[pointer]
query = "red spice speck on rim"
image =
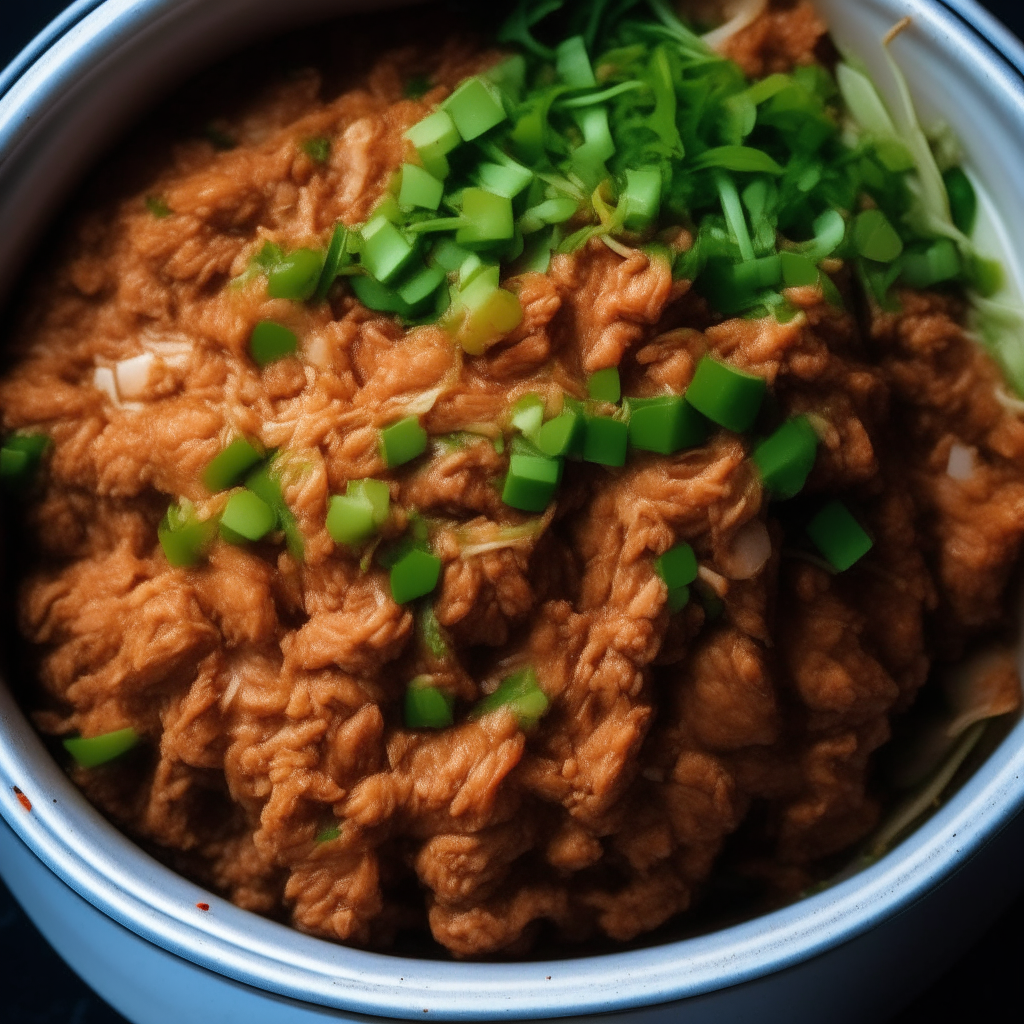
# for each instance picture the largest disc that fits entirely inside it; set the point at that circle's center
(22, 799)
(203, 906)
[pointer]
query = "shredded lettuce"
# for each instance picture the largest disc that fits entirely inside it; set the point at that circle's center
(479, 538)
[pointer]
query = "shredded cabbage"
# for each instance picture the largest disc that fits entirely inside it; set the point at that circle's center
(998, 323)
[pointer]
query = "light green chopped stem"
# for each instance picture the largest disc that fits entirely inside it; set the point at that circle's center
(94, 751)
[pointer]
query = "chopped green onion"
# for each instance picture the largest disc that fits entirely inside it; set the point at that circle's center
(183, 537)
(598, 146)
(531, 482)
(761, 92)
(475, 107)
(677, 566)
(333, 261)
(402, 442)
(158, 207)
(246, 517)
(450, 257)
(504, 179)
(228, 467)
(551, 211)
(436, 129)
(591, 99)
(349, 520)
(737, 158)
(432, 633)
(435, 162)
(731, 288)
(757, 274)
(875, 238)
(414, 575)
(963, 200)
(376, 494)
(521, 694)
(786, 459)
(641, 198)
(435, 135)
(13, 465)
(417, 87)
(605, 385)
(829, 232)
(376, 296)
(218, 138)
(734, 215)
(537, 252)
(296, 276)
(328, 835)
(472, 266)
(35, 446)
(986, 277)
(838, 536)
(318, 149)
(516, 28)
(573, 64)
(266, 486)
(427, 707)
(938, 262)
(385, 249)
(20, 458)
(605, 441)
(894, 155)
(714, 606)
(509, 76)
(419, 188)
(271, 341)
(488, 314)
(727, 396)
(268, 257)
(665, 425)
(421, 286)
(486, 217)
(678, 599)
(358, 515)
(877, 279)
(528, 415)
(798, 271)
(96, 750)
(561, 436)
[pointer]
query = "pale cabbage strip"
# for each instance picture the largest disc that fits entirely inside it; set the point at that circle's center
(927, 797)
(479, 540)
(982, 688)
(740, 15)
(998, 323)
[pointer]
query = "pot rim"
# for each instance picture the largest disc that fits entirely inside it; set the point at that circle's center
(126, 884)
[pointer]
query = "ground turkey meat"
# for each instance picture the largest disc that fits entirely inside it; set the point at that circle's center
(275, 766)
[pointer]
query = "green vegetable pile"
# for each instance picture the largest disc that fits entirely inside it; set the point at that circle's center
(627, 126)
(255, 507)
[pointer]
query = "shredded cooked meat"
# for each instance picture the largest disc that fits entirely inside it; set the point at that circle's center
(269, 690)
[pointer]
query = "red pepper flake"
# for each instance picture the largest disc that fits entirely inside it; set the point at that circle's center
(203, 906)
(22, 799)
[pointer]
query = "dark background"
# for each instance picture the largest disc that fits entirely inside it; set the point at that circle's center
(983, 986)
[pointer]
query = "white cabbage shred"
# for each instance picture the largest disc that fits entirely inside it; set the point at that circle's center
(997, 322)
(740, 15)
